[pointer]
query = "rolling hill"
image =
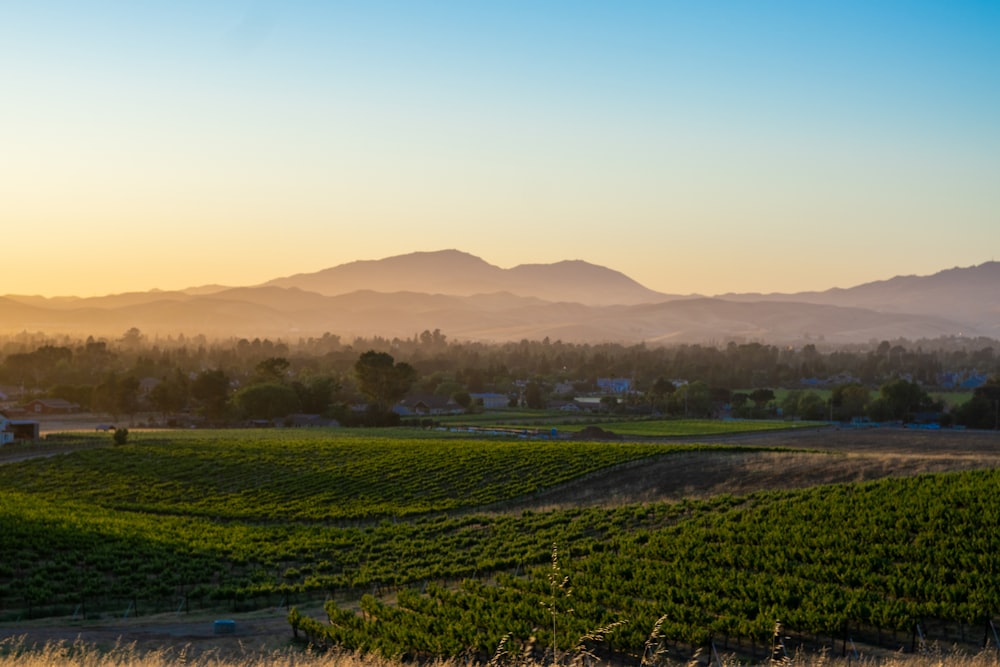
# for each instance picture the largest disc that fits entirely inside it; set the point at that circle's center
(461, 274)
(469, 299)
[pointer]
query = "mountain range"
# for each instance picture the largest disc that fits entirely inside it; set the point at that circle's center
(470, 299)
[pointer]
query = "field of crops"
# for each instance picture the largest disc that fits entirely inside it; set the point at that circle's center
(413, 529)
(251, 517)
(282, 475)
(837, 561)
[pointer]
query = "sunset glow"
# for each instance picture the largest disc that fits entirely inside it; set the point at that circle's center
(697, 147)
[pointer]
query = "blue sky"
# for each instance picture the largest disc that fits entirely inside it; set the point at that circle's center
(696, 146)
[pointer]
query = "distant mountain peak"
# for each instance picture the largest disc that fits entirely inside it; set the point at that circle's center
(573, 300)
(459, 273)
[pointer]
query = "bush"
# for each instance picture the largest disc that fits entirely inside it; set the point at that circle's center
(120, 436)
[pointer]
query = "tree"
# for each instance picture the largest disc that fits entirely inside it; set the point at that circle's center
(117, 396)
(211, 390)
(274, 369)
(79, 394)
(266, 400)
(660, 391)
(693, 399)
(128, 395)
(983, 409)
(463, 399)
(899, 399)
(316, 393)
(382, 380)
(132, 339)
(448, 388)
(761, 397)
(170, 395)
(850, 401)
(812, 407)
(105, 396)
(38, 368)
(533, 396)
(790, 403)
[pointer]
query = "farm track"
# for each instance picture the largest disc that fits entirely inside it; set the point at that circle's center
(823, 456)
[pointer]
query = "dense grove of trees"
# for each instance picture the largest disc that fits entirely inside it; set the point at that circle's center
(227, 380)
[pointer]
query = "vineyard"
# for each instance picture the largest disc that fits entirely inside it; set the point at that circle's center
(253, 518)
(273, 475)
(840, 562)
(409, 542)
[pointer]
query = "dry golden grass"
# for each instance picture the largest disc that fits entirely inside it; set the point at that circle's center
(16, 652)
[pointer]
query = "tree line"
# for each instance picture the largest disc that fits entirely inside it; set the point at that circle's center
(228, 379)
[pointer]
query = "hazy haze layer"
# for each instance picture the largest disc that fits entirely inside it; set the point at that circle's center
(470, 299)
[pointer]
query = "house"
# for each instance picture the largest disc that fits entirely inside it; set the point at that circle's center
(423, 405)
(12, 430)
(589, 403)
(564, 388)
(614, 385)
(947, 379)
(302, 420)
(490, 401)
(51, 406)
(961, 380)
(832, 381)
(974, 381)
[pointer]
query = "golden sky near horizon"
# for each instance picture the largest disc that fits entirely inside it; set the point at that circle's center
(697, 149)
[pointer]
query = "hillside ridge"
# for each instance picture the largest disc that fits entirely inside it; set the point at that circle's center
(572, 300)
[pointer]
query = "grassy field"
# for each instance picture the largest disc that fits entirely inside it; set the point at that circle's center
(415, 529)
(952, 399)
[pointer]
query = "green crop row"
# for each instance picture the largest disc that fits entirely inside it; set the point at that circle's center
(312, 476)
(887, 555)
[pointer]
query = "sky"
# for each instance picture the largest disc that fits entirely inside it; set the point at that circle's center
(697, 146)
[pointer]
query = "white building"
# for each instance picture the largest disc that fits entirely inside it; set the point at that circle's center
(490, 401)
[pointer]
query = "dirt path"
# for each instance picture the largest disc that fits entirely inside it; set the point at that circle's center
(257, 632)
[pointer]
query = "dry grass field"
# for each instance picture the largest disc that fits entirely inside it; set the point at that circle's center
(826, 455)
(16, 652)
